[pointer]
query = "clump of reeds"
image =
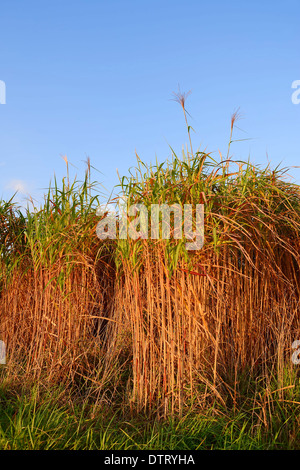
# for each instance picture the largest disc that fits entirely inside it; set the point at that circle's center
(185, 326)
(199, 320)
(56, 286)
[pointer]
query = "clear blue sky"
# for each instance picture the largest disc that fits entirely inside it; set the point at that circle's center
(95, 78)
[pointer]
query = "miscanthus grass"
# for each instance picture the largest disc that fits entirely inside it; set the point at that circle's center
(148, 325)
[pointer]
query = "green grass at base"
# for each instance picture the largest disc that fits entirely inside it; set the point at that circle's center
(36, 422)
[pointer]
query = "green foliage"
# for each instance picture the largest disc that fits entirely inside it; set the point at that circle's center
(41, 420)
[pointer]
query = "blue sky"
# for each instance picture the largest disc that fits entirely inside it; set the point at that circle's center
(95, 78)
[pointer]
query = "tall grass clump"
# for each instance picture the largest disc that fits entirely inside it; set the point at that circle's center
(161, 327)
(56, 281)
(204, 324)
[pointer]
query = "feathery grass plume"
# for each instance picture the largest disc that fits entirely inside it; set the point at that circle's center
(181, 98)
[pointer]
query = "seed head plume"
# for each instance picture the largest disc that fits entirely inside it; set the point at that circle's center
(88, 166)
(181, 98)
(235, 117)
